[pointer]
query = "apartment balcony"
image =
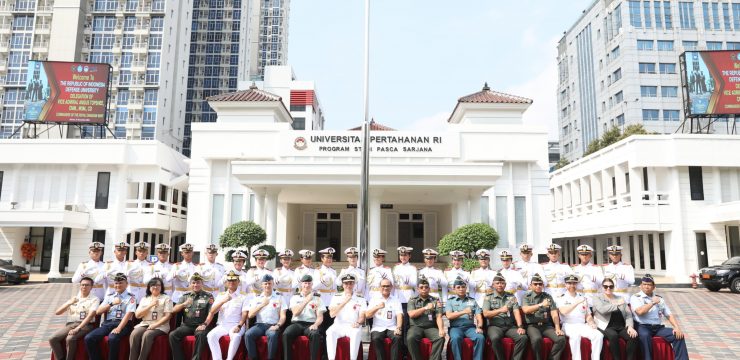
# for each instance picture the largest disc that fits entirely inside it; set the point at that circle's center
(138, 66)
(133, 124)
(135, 104)
(71, 216)
(5, 28)
(140, 48)
(648, 211)
(141, 30)
(154, 214)
(40, 47)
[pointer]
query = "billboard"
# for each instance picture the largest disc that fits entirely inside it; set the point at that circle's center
(713, 82)
(66, 92)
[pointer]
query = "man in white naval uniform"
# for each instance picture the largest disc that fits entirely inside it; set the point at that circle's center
(577, 321)
(514, 281)
(284, 276)
(325, 278)
(405, 276)
(455, 272)
(352, 257)
(306, 267)
(527, 266)
(622, 274)
(181, 272)
(92, 268)
(137, 270)
(482, 277)
(348, 310)
(591, 275)
(212, 271)
(377, 273)
(255, 274)
(232, 312)
(239, 258)
(555, 272)
(112, 268)
(435, 277)
(161, 268)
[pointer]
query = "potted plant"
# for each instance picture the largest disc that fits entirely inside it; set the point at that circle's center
(28, 252)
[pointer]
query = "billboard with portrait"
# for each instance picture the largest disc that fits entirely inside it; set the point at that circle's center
(66, 92)
(712, 79)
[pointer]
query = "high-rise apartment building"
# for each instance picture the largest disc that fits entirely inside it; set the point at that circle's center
(145, 42)
(619, 65)
(231, 41)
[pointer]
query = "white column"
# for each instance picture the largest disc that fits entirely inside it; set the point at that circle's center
(259, 206)
(227, 197)
(56, 253)
(281, 235)
(635, 185)
(374, 225)
(271, 197)
(463, 212)
(676, 262)
(475, 207)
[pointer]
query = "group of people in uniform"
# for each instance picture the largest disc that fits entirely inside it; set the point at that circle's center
(523, 300)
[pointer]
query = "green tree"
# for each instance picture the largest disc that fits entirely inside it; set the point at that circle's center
(593, 147)
(469, 239)
(610, 137)
(244, 234)
(634, 129)
(563, 162)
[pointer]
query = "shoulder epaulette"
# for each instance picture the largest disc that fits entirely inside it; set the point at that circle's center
(386, 266)
(177, 263)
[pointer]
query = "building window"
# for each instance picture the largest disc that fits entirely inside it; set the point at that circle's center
(236, 207)
(297, 107)
(520, 219)
(665, 45)
(618, 97)
(646, 8)
(299, 123)
(620, 119)
(649, 91)
(667, 14)
(733, 45)
(658, 16)
(686, 15)
(690, 45)
(101, 194)
(667, 68)
(671, 115)
(635, 19)
(661, 248)
(1, 184)
(669, 91)
(616, 75)
(645, 45)
(696, 183)
(641, 247)
(650, 114)
(733, 240)
(502, 219)
(647, 68)
(615, 53)
(714, 45)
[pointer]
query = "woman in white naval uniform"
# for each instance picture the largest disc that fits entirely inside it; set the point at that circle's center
(622, 274)
(435, 277)
(348, 310)
(92, 268)
(232, 315)
(136, 270)
(577, 320)
(482, 277)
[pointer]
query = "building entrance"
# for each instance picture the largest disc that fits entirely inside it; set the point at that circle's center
(329, 232)
(411, 234)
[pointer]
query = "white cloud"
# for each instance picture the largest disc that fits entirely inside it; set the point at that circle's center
(432, 123)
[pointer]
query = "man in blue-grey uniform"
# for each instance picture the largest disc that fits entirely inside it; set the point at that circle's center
(649, 310)
(118, 308)
(466, 320)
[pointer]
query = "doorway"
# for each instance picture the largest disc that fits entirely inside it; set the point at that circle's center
(329, 232)
(411, 234)
(701, 250)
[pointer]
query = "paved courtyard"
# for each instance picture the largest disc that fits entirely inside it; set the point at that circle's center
(27, 320)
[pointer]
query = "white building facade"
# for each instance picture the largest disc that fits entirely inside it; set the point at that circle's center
(63, 194)
(303, 186)
(619, 65)
(672, 202)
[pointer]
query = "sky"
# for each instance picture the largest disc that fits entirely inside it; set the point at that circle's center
(425, 54)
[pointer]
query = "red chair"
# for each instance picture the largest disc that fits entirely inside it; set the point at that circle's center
(160, 348)
(301, 349)
(506, 343)
(343, 349)
(225, 340)
(80, 353)
(467, 349)
(387, 346)
(662, 349)
(585, 349)
(123, 348)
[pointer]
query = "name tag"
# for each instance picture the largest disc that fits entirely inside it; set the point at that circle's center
(197, 313)
(119, 314)
(201, 302)
(430, 317)
(83, 314)
(389, 314)
(155, 315)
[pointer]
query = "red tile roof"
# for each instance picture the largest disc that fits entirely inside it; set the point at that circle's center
(374, 127)
(488, 96)
(253, 94)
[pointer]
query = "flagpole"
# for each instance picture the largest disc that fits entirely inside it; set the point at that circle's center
(364, 176)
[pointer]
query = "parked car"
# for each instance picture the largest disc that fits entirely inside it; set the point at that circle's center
(721, 276)
(14, 274)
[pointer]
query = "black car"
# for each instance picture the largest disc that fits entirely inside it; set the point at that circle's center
(720, 276)
(14, 274)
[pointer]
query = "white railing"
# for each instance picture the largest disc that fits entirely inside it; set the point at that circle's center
(158, 207)
(647, 198)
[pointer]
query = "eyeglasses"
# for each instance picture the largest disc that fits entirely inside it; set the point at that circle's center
(537, 284)
(608, 287)
(385, 286)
